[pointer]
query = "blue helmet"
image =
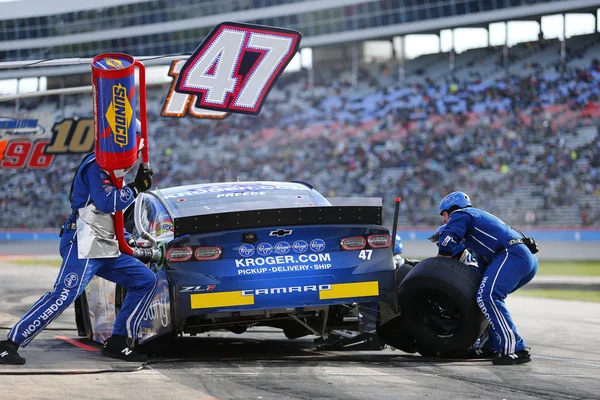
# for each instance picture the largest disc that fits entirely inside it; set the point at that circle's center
(398, 245)
(458, 199)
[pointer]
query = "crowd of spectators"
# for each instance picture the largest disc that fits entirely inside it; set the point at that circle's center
(514, 144)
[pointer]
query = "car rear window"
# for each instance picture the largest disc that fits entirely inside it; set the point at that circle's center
(207, 199)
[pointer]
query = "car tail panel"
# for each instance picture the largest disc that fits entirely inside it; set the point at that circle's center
(281, 267)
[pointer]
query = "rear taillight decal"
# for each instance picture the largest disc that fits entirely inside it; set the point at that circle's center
(379, 241)
(208, 253)
(353, 243)
(179, 254)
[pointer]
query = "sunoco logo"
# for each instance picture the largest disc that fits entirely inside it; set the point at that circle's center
(71, 280)
(300, 246)
(113, 62)
(317, 245)
(282, 248)
(246, 250)
(264, 249)
(119, 115)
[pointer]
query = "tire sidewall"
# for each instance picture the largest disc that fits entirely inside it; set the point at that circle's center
(453, 280)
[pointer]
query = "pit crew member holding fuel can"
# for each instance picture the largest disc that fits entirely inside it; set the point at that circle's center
(93, 198)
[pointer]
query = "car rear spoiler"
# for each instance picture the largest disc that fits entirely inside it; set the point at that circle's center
(321, 215)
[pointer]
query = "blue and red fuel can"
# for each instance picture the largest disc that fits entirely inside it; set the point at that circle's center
(114, 97)
(116, 142)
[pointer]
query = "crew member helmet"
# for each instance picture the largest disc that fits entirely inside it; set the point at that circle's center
(454, 199)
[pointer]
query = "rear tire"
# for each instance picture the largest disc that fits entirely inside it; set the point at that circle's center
(401, 272)
(82, 316)
(437, 301)
(394, 334)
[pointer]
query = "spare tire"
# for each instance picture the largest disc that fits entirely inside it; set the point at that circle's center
(437, 301)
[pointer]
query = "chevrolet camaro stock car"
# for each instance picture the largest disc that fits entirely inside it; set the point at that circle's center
(279, 254)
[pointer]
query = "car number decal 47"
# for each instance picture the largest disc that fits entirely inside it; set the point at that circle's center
(236, 66)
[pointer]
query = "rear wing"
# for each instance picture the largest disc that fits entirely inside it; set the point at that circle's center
(321, 215)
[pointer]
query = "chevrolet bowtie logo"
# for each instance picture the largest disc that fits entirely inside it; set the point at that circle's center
(281, 232)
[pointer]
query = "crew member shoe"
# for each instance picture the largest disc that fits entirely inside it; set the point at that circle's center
(520, 357)
(117, 347)
(8, 353)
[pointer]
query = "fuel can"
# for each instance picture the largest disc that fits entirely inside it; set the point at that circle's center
(114, 98)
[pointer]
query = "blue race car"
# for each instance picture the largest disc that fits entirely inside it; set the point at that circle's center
(238, 255)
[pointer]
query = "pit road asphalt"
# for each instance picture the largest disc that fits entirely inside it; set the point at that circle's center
(263, 364)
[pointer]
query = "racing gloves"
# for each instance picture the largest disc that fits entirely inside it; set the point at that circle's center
(143, 180)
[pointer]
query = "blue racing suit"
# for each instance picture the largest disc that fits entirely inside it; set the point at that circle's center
(91, 185)
(506, 268)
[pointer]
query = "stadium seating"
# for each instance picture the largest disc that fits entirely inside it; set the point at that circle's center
(525, 147)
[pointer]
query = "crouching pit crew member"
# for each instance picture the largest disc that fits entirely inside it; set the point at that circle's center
(508, 262)
(92, 194)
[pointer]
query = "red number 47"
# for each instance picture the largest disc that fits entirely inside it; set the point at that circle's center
(236, 66)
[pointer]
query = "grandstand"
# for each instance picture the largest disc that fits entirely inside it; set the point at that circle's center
(518, 133)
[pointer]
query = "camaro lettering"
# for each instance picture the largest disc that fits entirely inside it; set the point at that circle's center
(290, 289)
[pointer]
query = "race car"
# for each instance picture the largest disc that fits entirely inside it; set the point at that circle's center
(255, 253)
(278, 254)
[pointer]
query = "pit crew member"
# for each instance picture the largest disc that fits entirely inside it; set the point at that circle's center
(508, 262)
(91, 185)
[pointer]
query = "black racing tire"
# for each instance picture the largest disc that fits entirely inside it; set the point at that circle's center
(437, 301)
(425, 352)
(401, 273)
(394, 334)
(82, 316)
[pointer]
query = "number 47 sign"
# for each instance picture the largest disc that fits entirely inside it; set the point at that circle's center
(232, 71)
